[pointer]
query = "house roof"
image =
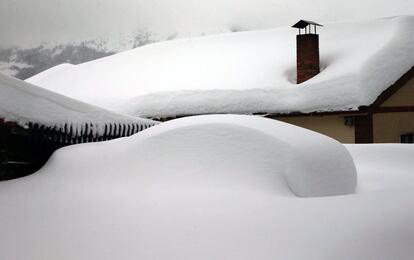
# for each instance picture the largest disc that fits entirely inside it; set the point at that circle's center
(24, 103)
(303, 23)
(247, 72)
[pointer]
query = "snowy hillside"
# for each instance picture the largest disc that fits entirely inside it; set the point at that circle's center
(24, 103)
(244, 72)
(207, 188)
(24, 62)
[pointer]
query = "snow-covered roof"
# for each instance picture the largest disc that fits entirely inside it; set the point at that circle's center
(24, 103)
(247, 72)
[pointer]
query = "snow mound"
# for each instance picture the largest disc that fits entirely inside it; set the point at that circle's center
(232, 152)
(24, 103)
(116, 200)
(247, 72)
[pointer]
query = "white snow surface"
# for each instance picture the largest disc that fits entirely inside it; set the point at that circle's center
(24, 103)
(247, 72)
(129, 199)
(370, 158)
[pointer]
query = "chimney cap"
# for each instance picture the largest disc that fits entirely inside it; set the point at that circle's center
(303, 23)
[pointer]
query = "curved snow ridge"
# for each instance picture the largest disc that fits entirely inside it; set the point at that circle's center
(24, 103)
(184, 103)
(248, 150)
(243, 72)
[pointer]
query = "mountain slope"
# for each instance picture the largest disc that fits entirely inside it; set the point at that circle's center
(23, 63)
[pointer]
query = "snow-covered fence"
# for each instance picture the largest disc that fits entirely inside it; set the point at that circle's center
(24, 150)
(86, 133)
(34, 122)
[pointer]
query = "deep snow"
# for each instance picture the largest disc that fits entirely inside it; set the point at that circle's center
(248, 72)
(24, 103)
(124, 199)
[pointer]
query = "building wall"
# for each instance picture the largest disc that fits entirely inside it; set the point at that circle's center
(403, 97)
(333, 126)
(388, 127)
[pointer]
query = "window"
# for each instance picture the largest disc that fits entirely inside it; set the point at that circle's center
(407, 138)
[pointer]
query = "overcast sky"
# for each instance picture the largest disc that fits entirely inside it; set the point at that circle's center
(29, 22)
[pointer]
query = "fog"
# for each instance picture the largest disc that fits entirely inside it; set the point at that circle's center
(28, 22)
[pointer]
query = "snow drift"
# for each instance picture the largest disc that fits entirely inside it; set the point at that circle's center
(248, 72)
(129, 199)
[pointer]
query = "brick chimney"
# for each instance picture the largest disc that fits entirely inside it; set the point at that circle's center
(307, 50)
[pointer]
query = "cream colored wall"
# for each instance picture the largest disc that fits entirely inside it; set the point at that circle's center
(332, 126)
(403, 97)
(389, 126)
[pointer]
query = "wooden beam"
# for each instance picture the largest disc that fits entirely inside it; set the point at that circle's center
(364, 131)
(394, 109)
(7, 123)
(314, 114)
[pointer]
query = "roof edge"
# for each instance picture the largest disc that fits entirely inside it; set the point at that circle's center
(391, 90)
